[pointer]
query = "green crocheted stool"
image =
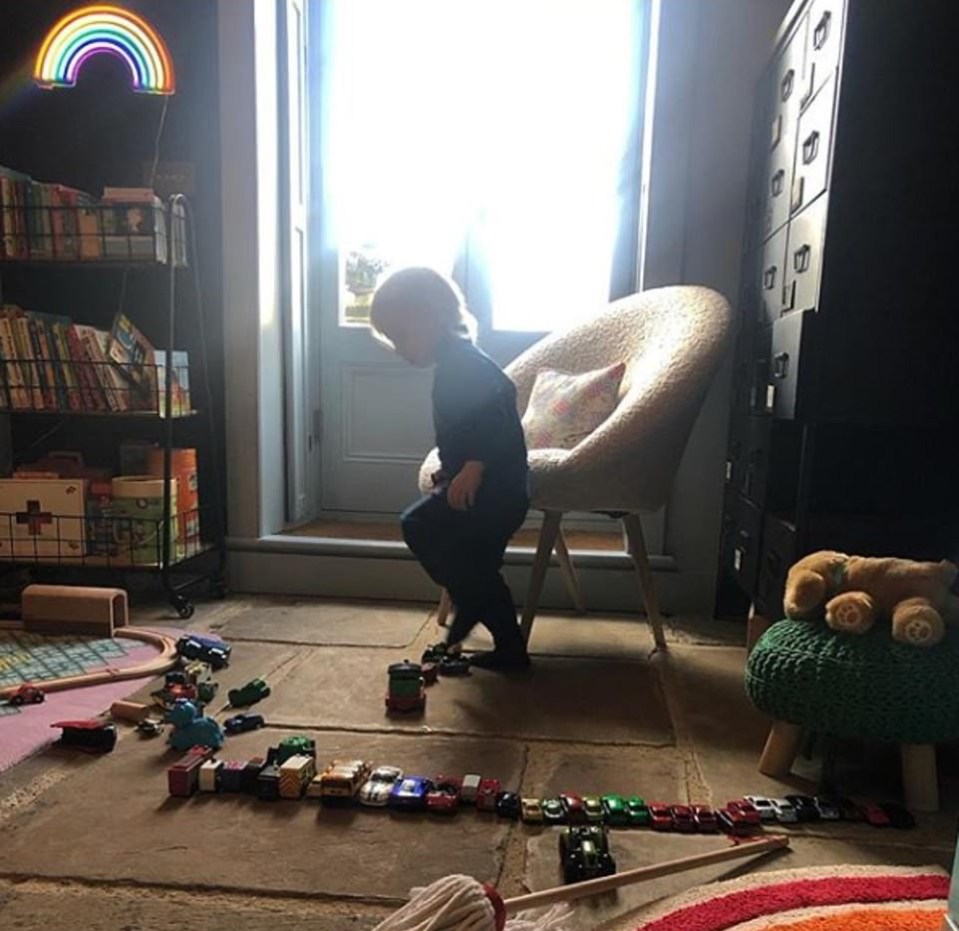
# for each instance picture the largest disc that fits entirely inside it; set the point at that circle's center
(805, 675)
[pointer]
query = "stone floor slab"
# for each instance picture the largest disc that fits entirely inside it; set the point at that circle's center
(32, 906)
(112, 820)
(586, 700)
(317, 622)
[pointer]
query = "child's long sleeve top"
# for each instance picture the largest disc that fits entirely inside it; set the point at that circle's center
(475, 417)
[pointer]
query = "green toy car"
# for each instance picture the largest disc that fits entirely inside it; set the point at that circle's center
(292, 746)
(614, 808)
(637, 812)
(255, 690)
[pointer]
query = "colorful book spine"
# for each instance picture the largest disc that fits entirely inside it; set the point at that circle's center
(39, 226)
(43, 354)
(19, 396)
(89, 230)
(26, 354)
(91, 392)
(65, 219)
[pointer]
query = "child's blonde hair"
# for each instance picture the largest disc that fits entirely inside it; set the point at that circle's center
(421, 292)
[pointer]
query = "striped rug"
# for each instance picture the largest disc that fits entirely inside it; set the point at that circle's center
(833, 898)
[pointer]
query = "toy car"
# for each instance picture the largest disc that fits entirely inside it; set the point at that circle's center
(573, 808)
(593, 807)
(211, 650)
(444, 797)
(584, 853)
(376, 790)
(828, 808)
(785, 813)
(899, 817)
(240, 723)
(764, 806)
(342, 779)
(454, 664)
(849, 810)
(470, 788)
(255, 690)
(531, 811)
(614, 810)
(405, 691)
(875, 816)
(705, 819)
(508, 805)
(805, 806)
(26, 695)
(92, 736)
(660, 816)
(553, 812)
(410, 792)
(683, 821)
(150, 727)
(486, 795)
(637, 811)
(746, 809)
(733, 821)
(292, 746)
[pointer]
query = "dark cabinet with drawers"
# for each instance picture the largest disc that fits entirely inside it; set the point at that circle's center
(846, 378)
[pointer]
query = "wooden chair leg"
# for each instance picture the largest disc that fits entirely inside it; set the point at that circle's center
(781, 748)
(756, 626)
(637, 549)
(444, 607)
(544, 549)
(569, 573)
(919, 778)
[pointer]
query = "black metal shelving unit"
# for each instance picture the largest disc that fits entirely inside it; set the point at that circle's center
(182, 565)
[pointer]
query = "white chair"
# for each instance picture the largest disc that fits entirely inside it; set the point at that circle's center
(672, 341)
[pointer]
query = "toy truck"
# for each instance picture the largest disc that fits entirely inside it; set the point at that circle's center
(251, 773)
(296, 773)
(268, 783)
(405, 691)
(584, 852)
(210, 650)
(292, 746)
(93, 736)
(341, 780)
(255, 690)
(231, 775)
(210, 776)
(183, 777)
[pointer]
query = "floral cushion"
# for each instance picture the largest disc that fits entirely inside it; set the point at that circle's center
(564, 409)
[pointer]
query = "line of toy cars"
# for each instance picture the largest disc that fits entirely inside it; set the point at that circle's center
(803, 809)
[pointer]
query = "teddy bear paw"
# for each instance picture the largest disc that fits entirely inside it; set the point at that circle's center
(846, 617)
(919, 629)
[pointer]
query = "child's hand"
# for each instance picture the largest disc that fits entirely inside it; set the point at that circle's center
(461, 493)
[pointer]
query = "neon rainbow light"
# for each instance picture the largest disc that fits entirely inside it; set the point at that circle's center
(104, 29)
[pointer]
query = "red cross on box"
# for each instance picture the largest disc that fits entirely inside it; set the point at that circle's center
(34, 518)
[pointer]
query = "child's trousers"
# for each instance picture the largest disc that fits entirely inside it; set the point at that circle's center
(463, 552)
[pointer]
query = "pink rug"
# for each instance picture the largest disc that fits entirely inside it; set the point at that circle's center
(26, 730)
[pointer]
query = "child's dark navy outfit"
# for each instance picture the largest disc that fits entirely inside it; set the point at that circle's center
(475, 417)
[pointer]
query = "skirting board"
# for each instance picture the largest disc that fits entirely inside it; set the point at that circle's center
(278, 566)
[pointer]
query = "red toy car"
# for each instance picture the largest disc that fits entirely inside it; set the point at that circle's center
(746, 809)
(486, 796)
(573, 807)
(27, 695)
(734, 822)
(706, 820)
(874, 815)
(683, 821)
(444, 797)
(661, 816)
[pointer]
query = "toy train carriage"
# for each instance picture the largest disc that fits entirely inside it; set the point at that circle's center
(406, 690)
(296, 774)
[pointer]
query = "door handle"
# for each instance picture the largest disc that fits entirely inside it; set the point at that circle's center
(786, 85)
(801, 259)
(769, 278)
(780, 365)
(810, 147)
(778, 179)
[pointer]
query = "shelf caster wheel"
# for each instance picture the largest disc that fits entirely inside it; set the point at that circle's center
(182, 606)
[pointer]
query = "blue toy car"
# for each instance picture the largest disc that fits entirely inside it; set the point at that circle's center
(410, 792)
(210, 650)
(240, 723)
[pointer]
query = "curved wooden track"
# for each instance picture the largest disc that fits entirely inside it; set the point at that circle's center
(167, 659)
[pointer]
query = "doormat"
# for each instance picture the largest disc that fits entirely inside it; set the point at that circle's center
(33, 658)
(832, 898)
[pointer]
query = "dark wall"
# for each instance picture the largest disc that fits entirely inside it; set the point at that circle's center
(101, 133)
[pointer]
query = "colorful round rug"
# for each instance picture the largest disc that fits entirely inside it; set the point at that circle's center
(833, 898)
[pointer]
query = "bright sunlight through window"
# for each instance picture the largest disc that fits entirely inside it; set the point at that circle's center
(499, 127)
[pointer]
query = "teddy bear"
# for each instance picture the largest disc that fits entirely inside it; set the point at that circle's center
(856, 590)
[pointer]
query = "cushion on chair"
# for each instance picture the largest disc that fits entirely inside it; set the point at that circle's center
(564, 409)
(867, 686)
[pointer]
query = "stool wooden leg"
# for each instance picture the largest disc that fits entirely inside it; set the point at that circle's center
(919, 777)
(781, 748)
(756, 626)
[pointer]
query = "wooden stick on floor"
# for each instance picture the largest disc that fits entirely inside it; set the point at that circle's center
(642, 874)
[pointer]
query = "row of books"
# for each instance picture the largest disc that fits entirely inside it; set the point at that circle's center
(42, 221)
(50, 363)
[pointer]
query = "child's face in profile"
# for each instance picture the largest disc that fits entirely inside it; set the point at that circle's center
(414, 335)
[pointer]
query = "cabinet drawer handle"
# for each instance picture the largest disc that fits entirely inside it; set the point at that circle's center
(780, 365)
(786, 85)
(799, 193)
(789, 295)
(810, 147)
(821, 32)
(769, 278)
(774, 563)
(801, 259)
(778, 180)
(777, 131)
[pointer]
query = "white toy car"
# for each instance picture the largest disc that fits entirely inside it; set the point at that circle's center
(785, 811)
(376, 790)
(470, 789)
(765, 807)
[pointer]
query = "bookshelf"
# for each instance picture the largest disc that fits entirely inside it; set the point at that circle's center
(57, 228)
